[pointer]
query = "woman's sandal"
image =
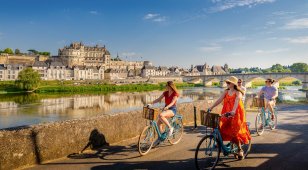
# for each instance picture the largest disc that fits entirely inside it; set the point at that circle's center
(272, 117)
(240, 154)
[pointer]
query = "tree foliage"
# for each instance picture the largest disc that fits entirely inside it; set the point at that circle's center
(276, 68)
(35, 52)
(28, 79)
(299, 67)
(8, 51)
(17, 51)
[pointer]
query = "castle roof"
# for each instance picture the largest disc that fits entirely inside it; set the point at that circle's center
(148, 67)
(56, 64)
(40, 64)
(218, 69)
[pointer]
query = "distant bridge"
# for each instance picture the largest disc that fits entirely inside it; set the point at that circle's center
(248, 78)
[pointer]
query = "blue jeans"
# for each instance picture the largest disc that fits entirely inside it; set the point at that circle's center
(173, 108)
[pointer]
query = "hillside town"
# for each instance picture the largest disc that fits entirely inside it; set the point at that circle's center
(80, 62)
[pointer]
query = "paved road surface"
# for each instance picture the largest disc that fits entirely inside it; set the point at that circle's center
(283, 148)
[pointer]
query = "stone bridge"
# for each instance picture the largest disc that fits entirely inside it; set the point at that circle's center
(248, 78)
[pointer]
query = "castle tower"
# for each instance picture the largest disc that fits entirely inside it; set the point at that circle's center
(226, 68)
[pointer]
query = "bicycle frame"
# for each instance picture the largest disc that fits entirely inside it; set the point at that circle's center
(226, 149)
(266, 120)
(163, 136)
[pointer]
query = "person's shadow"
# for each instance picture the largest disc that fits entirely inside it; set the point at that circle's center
(97, 141)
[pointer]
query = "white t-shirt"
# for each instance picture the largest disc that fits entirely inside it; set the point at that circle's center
(244, 95)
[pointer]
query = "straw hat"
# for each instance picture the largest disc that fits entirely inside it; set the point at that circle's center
(232, 80)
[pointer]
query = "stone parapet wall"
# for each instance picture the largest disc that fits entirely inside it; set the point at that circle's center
(26, 146)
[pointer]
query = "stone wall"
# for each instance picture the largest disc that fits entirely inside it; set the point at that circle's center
(24, 146)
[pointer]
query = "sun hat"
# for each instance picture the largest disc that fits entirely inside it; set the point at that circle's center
(232, 80)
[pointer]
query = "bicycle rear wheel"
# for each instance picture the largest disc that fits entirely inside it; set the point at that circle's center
(207, 153)
(259, 123)
(146, 140)
(177, 132)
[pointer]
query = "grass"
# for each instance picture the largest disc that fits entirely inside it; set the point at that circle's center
(87, 86)
(282, 83)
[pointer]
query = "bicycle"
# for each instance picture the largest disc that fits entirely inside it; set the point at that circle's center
(149, 133)
(210, 146)
(264, 119)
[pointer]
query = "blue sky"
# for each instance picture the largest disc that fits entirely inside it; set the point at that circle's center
(242, 33)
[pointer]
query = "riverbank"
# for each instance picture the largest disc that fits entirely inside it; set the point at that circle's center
(87, 86)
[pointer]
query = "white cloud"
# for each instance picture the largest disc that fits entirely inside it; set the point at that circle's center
(154, 17)
(210, 48)
(301, 23)
(159, 19)
(283, 13)
(150, 16)
(278, 50)
(94, 12)
(270, 22)
(232, 39)
(223, 5)
(298, 40)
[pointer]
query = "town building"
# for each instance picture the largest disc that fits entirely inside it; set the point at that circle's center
(207, 70)
(10, 72)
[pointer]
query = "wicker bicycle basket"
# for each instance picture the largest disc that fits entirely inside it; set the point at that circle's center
(209, 119)
(258, 102)
(150, 113)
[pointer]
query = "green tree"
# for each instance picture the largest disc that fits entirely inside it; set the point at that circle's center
(299, 67)
(17, 51)
(8, 51)
(33, 51)
(268, 70)
(277, 68)
(44, 53)
(296, 82)
(28, 79)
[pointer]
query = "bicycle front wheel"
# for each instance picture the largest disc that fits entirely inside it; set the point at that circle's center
(146, 140)
(273, 123)
(177, 132)
(259, 124)
(207, 153)
(246, 148)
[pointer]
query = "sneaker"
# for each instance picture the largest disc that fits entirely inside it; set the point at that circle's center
(170, 131)
(156, 143)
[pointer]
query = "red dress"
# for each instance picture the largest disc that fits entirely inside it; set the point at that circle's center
(234, 129)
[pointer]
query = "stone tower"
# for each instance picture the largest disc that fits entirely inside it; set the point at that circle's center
(226, 68)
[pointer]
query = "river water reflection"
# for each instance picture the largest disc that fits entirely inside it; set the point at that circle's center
(21, 110)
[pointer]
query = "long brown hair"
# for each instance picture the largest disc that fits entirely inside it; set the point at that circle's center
(172, 86)
(236, 88)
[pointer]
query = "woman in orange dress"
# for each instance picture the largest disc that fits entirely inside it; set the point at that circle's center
(233, 128)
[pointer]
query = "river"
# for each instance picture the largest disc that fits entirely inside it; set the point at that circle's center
(28, 109)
